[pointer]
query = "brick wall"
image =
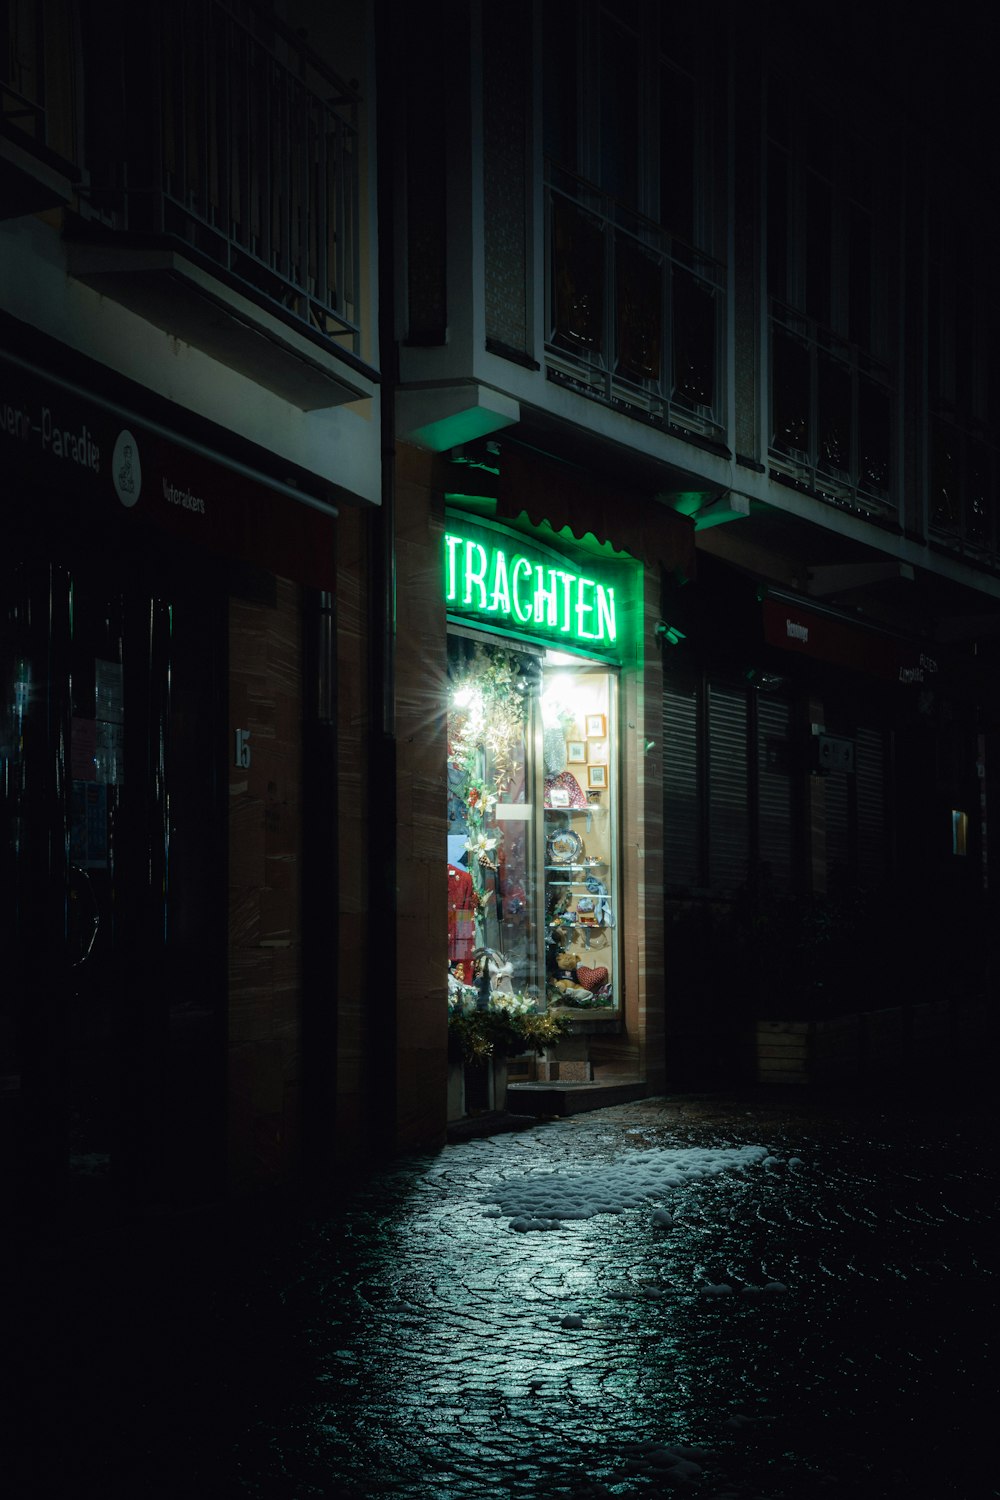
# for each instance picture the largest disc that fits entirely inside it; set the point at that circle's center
(264, 1062)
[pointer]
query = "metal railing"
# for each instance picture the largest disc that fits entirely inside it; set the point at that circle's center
(831, 417)
(635, 317)
(259, 161)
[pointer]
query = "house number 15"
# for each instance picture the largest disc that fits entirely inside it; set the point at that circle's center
(242, 756)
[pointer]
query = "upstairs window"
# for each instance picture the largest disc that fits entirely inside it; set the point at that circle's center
(963, 392)
(831, 388)
(624, 108)
(635, 296)
(825, 250)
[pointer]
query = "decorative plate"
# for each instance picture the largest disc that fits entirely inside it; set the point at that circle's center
(564, 847)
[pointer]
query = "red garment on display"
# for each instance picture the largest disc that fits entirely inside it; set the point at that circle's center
(461, 923)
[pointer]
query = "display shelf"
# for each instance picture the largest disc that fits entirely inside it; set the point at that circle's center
(592, 808)
(601, 864)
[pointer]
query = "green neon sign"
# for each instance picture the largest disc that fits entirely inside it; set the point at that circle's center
(507, 586)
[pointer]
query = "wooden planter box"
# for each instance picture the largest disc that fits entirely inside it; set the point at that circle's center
(861, 1044)
(808, 1051)
(476, 1088)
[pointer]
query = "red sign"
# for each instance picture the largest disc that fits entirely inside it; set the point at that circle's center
(809, 633)
(126, 470)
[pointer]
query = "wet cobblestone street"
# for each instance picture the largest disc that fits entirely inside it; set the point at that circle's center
(811, 1319)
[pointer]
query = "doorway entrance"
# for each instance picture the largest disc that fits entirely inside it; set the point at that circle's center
(112, 671)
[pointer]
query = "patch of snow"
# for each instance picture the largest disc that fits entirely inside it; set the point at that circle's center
(547, 1200)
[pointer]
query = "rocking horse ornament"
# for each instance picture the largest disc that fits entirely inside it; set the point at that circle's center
(495, 974)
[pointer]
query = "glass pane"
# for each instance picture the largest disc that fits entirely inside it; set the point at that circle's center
(834, 417)
(619, 114)
(790, 396)
(580, 803)
(819, 237)
(860, 278)
(677, 152)
(493, 890)
(532, 898)
(694, 341)
(777, 222)
(577, 277)
(944, 512)
(561, 18)
(873, 438)
(978, 498)
(638, 308)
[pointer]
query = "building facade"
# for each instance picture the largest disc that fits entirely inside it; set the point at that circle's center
(687, 288)
(191, 454)
(501, 513)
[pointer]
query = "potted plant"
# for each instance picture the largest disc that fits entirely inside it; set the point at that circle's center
(480, 1039)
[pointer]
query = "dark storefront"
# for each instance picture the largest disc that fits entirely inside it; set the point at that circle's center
(154, 606)
(823, 784)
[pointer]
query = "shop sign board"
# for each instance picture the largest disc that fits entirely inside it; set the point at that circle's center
(808, 633)
(505, 580)
(115, 470)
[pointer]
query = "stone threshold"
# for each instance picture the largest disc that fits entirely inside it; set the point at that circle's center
(572, 1098)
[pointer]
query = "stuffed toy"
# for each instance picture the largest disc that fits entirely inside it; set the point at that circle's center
(566, 990)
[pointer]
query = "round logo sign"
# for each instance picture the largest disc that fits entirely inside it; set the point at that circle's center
(126, 470)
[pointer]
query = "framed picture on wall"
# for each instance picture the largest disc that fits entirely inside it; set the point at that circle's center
(597, 752)
(597, 777)
(576, 752)
(597, 726)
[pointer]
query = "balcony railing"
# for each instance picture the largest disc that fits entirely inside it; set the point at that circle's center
(831, 417)
(634, 317)
(257, 161)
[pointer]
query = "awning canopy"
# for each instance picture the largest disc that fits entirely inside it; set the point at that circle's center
(565, 496)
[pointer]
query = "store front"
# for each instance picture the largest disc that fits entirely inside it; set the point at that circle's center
(554, 838)
(528, 806)
(153, 619)
(534, 805)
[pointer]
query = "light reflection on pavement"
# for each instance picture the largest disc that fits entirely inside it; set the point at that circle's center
(816, 1331)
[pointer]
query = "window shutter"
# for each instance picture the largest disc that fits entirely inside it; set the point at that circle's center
(680, 786)
(838, 849)
(869, 770)
(728, 846)
(774, 789)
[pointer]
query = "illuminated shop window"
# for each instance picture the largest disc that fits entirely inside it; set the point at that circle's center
(532, 806)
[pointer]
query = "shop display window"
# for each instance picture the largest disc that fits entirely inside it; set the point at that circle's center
(532, 828)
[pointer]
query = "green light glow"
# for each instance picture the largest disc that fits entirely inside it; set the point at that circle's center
(484, 580)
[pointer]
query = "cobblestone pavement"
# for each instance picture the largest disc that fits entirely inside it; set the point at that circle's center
(799, 1330)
